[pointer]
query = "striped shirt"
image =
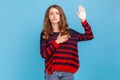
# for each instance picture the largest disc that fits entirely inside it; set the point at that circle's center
(64, 56)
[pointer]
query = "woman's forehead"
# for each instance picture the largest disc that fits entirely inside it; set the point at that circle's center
(53, 10)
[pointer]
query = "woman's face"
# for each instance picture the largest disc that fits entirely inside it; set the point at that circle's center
(54, 16)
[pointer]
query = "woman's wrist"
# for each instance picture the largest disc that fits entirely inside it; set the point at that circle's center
(57, 41)
(82, 20)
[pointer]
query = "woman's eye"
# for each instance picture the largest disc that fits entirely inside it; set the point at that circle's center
(51, 14)
(57, 13)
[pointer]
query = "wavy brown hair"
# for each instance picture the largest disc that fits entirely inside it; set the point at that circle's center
(47, 27)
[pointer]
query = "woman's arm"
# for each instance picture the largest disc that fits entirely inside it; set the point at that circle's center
(46, 48)
(88, 32)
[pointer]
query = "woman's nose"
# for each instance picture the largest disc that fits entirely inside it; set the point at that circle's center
(54, 15)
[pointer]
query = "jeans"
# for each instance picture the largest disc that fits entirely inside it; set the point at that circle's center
(59, 76)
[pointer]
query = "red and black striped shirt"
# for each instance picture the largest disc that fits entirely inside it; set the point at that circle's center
(64, 56)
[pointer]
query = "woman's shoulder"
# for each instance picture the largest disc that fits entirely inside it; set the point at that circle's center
(41, 33)
(73, 32)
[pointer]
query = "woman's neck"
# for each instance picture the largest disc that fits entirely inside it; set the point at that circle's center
(55, 28)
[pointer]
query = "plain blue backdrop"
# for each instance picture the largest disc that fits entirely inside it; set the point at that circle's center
(21, 22)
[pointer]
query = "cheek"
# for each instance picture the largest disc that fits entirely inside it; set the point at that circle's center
(59, 17)
(50, 17)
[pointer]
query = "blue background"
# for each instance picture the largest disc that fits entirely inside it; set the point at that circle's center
(21, 22)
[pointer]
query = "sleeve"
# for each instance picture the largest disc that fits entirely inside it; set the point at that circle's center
(88, 35)
(46, 48)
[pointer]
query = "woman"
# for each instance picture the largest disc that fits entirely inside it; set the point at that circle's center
(58, 44)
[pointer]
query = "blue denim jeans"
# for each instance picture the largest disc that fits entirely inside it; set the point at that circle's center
(59, 76)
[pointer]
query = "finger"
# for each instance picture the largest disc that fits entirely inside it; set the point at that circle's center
(59, 34)
(81, 8)
(66, 36)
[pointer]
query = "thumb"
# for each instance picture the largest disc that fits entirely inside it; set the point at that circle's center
(59, 34)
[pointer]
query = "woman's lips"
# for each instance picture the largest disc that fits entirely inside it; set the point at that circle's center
(54, 19)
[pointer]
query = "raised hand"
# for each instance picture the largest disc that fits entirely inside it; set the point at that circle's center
(81, 13)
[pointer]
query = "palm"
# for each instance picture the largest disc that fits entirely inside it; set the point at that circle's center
(81, 13)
